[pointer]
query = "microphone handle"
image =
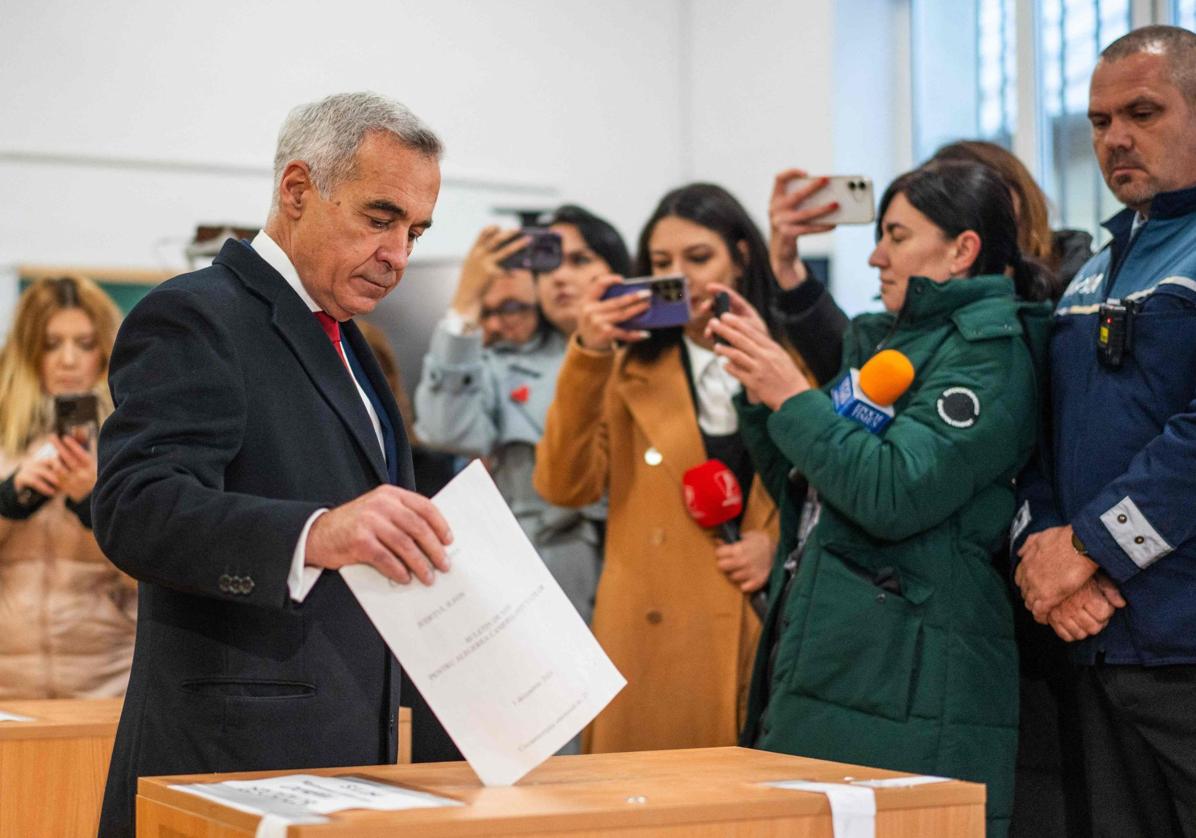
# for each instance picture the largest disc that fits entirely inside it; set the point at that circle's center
(730, 531)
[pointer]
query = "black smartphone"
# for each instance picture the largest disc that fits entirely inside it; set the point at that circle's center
(668, 306)
(542, 255)
(75, 415)
(722, 304)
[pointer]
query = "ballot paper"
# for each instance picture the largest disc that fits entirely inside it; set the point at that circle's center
(306, 798)
(14, 717)
(494, 645)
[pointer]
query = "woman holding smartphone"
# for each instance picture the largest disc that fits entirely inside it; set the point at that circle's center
(889, 639)
(489, 374)
(67, 616)
(634, 410)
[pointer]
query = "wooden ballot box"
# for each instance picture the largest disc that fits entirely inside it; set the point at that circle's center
(53, 768)
(694, 793)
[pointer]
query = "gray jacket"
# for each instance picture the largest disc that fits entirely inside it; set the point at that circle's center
(491, 403)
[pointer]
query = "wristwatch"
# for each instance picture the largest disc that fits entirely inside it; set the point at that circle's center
(1078, 545)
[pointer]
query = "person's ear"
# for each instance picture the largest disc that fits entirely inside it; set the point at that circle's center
(295, 189)
(965, 252)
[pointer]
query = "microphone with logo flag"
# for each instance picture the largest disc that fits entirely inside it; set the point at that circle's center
(867, 394)
(713, 497)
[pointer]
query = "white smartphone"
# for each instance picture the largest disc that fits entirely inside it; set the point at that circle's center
(852, 192)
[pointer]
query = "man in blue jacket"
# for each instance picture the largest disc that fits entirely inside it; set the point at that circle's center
(1106, 527)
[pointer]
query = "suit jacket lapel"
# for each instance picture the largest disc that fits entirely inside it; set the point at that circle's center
(657, 394)
(319, 357)
(300, 330)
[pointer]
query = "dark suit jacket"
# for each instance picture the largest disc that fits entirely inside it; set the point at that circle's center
(235, 420)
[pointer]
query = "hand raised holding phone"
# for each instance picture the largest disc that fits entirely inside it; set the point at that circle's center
(78, 469)
(481, 265)
(726, 300)
(802, 205)
(598, 326)
(668, 301)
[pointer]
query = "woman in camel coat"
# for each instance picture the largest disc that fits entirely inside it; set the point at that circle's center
(672, 608)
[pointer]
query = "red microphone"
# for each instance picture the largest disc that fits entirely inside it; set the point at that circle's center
(713, 497)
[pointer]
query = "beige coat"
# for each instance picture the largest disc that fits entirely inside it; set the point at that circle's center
(680, 632)
(67, 616)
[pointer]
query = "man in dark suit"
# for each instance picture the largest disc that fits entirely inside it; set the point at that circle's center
(255, 448)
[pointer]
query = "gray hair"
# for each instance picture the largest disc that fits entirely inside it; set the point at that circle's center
(326, 135)
(1174, 43)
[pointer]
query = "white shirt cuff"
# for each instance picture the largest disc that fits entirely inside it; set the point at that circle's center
(455, 324)
(301, 578)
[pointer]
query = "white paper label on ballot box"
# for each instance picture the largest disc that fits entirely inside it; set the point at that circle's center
(305, 798)
(494, 645)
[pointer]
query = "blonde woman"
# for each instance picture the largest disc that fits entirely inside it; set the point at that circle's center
(67, 615)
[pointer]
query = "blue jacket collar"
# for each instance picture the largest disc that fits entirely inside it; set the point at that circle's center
(1174, 204)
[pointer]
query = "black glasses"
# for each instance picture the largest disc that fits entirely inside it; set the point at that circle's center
(508, 310)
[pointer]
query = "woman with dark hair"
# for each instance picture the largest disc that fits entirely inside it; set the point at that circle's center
(589, 246)
(889, 639)
(489, 376)
(1050, 794)
(672, 608)
(67, 616)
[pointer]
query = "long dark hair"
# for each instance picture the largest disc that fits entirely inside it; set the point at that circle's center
(715, 209)
(599, 234)
(956, 196)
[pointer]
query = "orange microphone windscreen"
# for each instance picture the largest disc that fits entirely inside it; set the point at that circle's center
(886, 377)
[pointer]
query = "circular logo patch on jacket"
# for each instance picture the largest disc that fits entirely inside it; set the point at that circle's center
(959, 407)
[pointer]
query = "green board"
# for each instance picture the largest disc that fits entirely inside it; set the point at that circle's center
(124, 294)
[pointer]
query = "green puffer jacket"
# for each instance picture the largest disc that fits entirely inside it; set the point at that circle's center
(894, 643)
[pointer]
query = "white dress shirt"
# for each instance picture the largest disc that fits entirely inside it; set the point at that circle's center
(715, 388)
(301, 578)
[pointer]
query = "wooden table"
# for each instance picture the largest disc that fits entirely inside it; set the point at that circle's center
(697, 793)
(53, 769)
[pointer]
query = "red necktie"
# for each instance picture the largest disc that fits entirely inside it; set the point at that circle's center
(333, 330)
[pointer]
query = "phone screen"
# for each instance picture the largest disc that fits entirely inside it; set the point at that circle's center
(75, 415)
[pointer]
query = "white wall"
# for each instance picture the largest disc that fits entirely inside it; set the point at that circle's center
(148, 117)
(760, 95)
(871, 126)
(819, 85)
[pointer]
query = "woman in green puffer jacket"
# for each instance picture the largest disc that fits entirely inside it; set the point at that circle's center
(889, 637)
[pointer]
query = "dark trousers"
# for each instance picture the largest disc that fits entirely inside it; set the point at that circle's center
(1049, 797)
(1140, 749)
